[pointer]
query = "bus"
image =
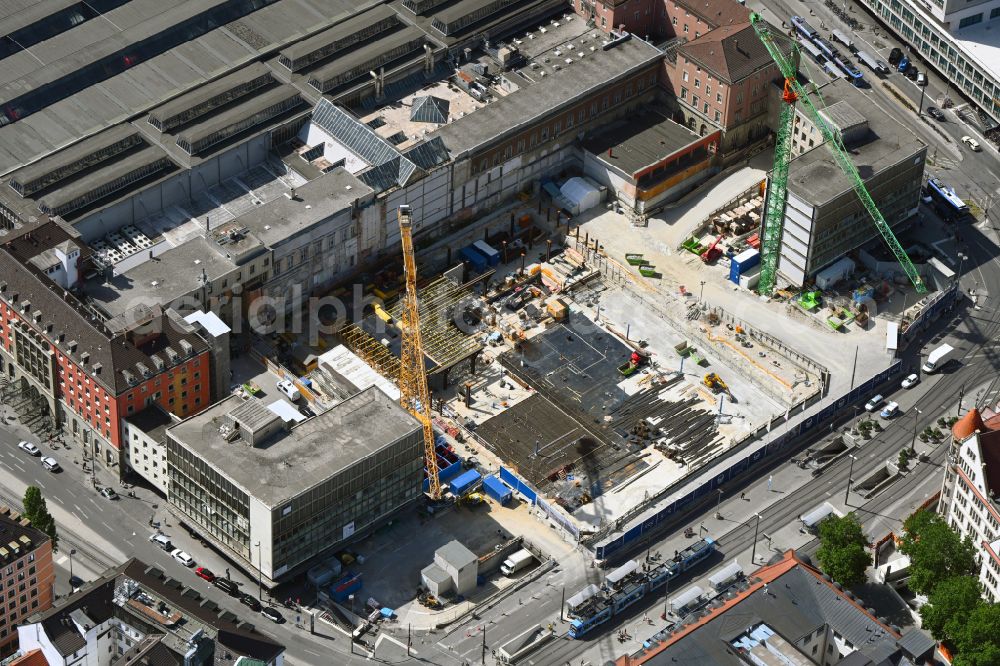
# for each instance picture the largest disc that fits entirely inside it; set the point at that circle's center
(804, 28)
(831, 68)
(853, 73)
(948, 204)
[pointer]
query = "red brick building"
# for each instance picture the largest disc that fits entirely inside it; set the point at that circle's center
(26, 575)
(721, 80)
(662, 19)
(83, 375)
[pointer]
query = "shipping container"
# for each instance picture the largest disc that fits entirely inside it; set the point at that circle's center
(463, 483)
(485, 249)
(476, 260)
(496, 489)
(742, 262)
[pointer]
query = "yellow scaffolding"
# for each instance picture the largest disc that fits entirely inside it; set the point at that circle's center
(371, 351)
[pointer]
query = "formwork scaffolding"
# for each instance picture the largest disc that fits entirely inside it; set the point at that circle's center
(373, 352)
(441, 305)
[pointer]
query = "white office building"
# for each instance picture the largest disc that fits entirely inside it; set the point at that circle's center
(958, 38)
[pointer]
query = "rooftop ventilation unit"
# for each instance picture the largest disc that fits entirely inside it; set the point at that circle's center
(143, 369)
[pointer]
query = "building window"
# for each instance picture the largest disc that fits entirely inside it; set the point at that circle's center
(718, 116)
(706, 107)
(697, 83)
(718, 97)
(694, 101)
(684, 93)
(685, 29)
(970, 20)
(685, 76)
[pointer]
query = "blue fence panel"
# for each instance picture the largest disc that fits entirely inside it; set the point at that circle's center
(518, 485)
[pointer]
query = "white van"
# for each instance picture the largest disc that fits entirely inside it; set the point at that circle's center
(288, 388)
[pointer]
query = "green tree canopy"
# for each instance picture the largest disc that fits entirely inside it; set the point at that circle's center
(936, 552)
(33, 503)
(843, 551)
(949, 606)
(978, 638)
(37, 511)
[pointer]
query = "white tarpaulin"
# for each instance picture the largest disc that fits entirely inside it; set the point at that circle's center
(581, 193)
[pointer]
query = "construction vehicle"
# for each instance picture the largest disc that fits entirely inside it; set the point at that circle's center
(712, 252)
(637, 360)
(714, 382)
(777, 196)
(414, 396)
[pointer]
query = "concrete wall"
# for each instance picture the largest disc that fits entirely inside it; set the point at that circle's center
(175, 190)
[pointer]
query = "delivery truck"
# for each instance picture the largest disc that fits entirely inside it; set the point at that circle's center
(516, 562)
(937, 358)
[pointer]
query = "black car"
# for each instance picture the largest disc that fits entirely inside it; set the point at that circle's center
(250, 602)
(227, 586)
(895, 56)
(935, 113)
(272, 615)
(306, 411)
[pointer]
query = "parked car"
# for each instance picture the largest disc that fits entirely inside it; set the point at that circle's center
(227, 586)
(250, 602)
(921, 79)
(76, 582)
(895, 56)
(204, 574)
(51, 464)
(109, 493)
(911, 381)
(162, 541)
(890, 410)
(272, 615)
(874, 403)
(182, 557)
(29, 448)
(935, 113)
(904, 65)
(971, 143)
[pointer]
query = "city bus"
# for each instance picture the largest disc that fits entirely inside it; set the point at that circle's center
(948, 204)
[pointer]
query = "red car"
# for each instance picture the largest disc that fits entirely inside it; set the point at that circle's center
(202, 572)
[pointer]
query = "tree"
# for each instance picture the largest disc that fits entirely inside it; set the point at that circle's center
(34, 503)
(978, 638)
(936, 552)
(36, 510)
(949, 606)
(842, 552)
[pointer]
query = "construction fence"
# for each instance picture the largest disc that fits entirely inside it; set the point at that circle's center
(520, 486)
(661, 510)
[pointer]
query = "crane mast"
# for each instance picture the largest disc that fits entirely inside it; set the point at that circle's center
(778, 189)
(414, 395)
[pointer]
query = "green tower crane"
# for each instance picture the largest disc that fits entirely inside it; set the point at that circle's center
(777, 194)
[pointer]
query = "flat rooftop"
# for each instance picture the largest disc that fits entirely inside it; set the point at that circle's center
(523, 108)
(313, 451)
(319, 199)
(815, 175)
(170, 275)
(639, 142)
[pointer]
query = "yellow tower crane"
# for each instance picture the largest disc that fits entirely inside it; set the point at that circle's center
(414, 395)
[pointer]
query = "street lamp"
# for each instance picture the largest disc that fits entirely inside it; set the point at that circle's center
(718, 505)
(260, 574)
(961, 260)
(72, 552)
(913, 442)
(753, 552)
(850, 477)
(701, 295)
